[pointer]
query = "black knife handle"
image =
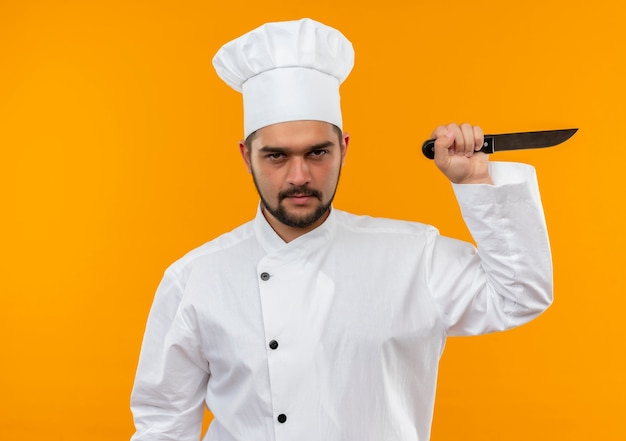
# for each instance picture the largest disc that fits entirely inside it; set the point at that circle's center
(428, 148)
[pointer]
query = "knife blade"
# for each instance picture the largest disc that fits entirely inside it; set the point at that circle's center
(513, 141)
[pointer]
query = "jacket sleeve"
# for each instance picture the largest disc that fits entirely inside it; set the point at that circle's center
(506, 280)
(170, 385)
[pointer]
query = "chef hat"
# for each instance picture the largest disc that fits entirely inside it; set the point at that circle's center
(287, 71)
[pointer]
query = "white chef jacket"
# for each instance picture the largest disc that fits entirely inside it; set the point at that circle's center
(336, 335)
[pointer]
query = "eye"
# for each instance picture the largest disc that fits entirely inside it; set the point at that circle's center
(318, 153)
(275, 156)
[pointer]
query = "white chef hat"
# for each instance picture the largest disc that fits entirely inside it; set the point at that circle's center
(287, 71)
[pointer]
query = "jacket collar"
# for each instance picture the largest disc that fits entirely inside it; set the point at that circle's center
(303, 246)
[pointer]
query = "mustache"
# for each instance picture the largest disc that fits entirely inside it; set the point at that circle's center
(300, 190)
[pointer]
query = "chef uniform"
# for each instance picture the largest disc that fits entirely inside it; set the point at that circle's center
(336, 335)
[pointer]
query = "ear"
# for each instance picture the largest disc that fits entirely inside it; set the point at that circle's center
(245, 154)
(345, 140)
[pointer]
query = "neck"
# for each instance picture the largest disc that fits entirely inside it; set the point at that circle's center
(288, 233)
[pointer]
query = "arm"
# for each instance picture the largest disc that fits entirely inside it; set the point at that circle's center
(507, 280)
(170, 385)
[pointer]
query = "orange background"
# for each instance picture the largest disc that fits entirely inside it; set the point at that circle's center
(119, 154)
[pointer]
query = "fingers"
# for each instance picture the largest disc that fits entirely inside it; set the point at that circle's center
(461, 140)
(479, 137)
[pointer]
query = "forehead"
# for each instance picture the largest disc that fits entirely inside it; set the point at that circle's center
(295, 134)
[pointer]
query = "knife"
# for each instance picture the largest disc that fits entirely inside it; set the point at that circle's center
(513, 141)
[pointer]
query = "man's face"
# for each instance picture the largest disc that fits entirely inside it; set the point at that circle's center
(295, 166)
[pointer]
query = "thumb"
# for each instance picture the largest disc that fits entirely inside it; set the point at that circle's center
(444, 142)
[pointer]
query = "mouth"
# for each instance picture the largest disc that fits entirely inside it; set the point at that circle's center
(299, 198)
(300, 195)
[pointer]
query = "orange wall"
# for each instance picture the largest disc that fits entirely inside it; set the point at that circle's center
(119, 153)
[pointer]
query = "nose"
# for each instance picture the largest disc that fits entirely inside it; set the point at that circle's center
(298, 172)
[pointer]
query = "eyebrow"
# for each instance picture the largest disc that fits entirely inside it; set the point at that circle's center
(275, 149)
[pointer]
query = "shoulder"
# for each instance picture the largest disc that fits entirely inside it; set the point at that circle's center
(228, 244)
(368, 225)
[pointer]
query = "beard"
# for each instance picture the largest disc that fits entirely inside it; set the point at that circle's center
(281, 214)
